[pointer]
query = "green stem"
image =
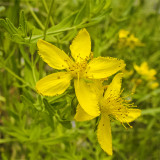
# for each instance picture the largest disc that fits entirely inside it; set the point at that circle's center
(47, 10)
(47, 21)
(33, 70)
(50, 33)
(10, 55)
(62, 30)
(19, 78)
(15, 75)
(45, 5)
(41, 64)
(35, 17)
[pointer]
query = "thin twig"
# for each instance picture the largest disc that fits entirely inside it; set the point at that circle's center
(35, 17)
(47, 21)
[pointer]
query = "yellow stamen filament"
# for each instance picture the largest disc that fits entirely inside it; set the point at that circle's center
(77, 70)
(118, 108)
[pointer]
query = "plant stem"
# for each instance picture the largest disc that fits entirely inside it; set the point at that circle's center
(47, 10)
(47, 21)
(33, 69)
(19, 78)
(35, 17)
(62, 30)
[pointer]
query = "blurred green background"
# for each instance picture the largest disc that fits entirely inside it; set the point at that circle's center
(35, 127)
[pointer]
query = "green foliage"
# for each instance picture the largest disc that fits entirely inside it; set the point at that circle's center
(37, 127)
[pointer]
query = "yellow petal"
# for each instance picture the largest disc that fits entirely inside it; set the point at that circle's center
(104, 134)
(153, 85)
(144, 66)
(53, 56)
(81, 46)
(87, 97)
(103, 67)
(131, 116)
(123, 33)
(137, 68)
(53, 84)
(152, 72)
(132, 39)
(81, 115)
(114, 88)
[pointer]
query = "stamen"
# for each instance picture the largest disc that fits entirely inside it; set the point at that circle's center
(129, 125)
(77, 70)
(118, 107)
(124, 125)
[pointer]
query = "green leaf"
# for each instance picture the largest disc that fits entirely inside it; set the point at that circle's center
(65, 23)
(20, 136)
(151, 111)
(7, 140)
(12, 30)
(48, 107)
(17, 38)
(25, 55)
(55, 140)
(28, 95)
(11, 26)
(99, 7)
(60, 104)
(22, 24)
(4, 25)
(35, 133)
(66, 124)
(149, 95)
(107, 5)
(83, 14)
(14, 115)
(28, 75)
(26, 101)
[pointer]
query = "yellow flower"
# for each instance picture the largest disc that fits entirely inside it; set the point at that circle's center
(111, 105)
(144, 71)
(132, 42)
(80, 69)
(123, 33)
(129, 40)
(127, 73)
(153, 85)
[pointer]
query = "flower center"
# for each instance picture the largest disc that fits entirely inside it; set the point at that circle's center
(77, 70)
(116, 107)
